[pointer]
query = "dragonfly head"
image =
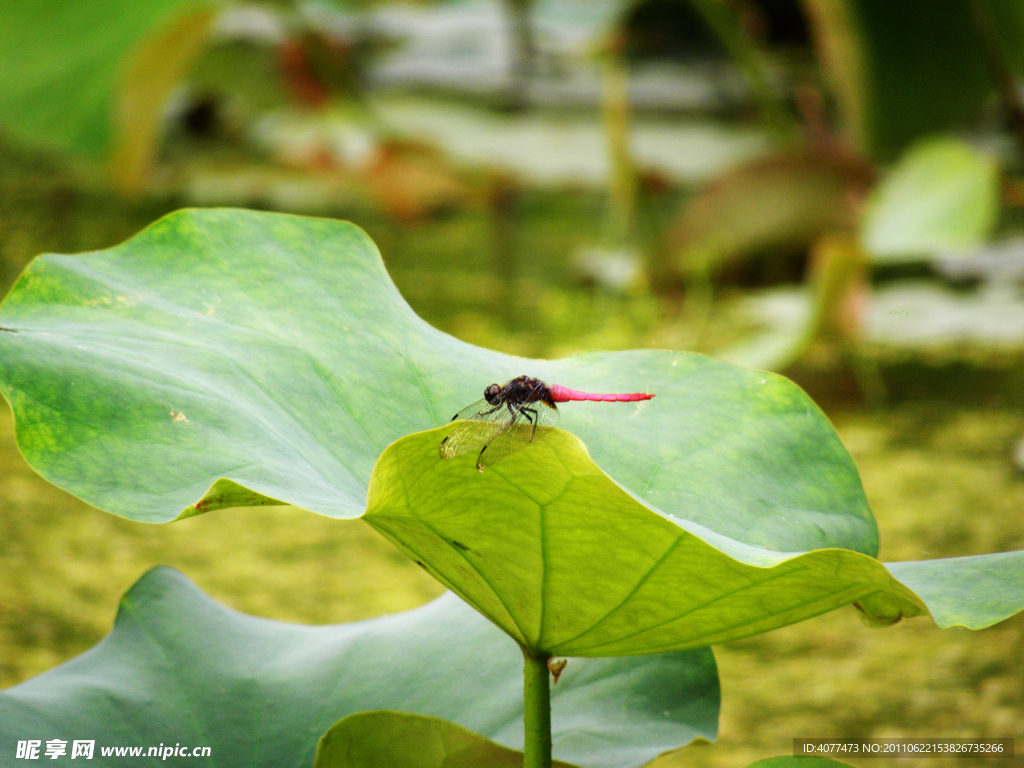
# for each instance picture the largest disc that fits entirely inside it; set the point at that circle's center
(491, 394)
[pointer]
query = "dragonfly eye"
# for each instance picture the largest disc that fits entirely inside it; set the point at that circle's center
(491, 394)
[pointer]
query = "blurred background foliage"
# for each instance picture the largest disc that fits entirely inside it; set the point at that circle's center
(829, 188)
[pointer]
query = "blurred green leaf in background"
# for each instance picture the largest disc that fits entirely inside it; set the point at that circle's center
(92, 78)
(909, 69)
(942, 196)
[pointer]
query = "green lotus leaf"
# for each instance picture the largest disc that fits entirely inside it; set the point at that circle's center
(370, 739)
(569, 563)
(228, 358)
(179, 668)
(225, 358)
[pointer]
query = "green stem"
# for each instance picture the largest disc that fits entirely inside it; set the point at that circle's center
(616, 120)
(536, 711)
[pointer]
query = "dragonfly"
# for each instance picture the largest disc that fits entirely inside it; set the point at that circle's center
(508, 417)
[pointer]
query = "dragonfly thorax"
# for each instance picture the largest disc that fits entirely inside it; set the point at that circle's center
(519, 392)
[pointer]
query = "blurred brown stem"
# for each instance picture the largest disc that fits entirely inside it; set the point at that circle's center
(523, 52)
(1001, 73)
(724, 23)
(504, 199)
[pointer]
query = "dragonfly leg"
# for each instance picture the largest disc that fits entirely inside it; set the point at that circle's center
(532, 419)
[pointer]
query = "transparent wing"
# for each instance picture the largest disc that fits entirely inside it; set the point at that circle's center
(496, 431)
(470, 436)
(531, 422)
(481, 421)
(481, 410)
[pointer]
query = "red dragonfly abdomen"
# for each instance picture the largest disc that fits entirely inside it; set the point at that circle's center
(562, 394)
